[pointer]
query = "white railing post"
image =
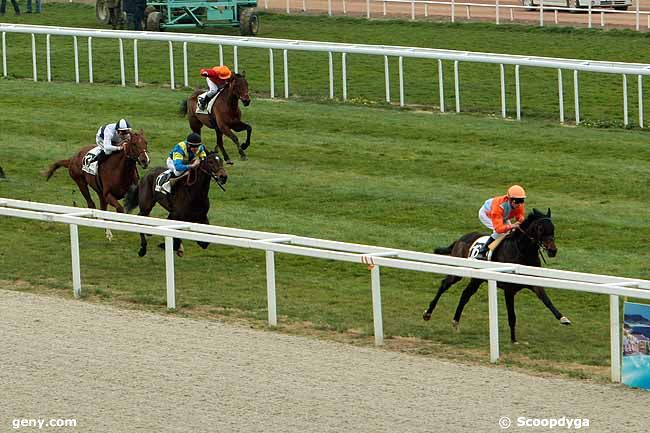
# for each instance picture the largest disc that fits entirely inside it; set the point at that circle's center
(185, 68)
(625, 112)
(169, 268)
(637, 16)
(76, 59)
(541, 13)
(494, 321)
(285, 61)
(171, 66)
(122, 74)
(387, 79)
(34, 71)
(4, 54)
(344, 76)
(456, 86)
(503, 91)
(90, 59)
(453, 11)
(331, 73)
(615, 334)
(497, 12)
(400, 66)
(220, 55)
(412, 10)
(270, 288)
(235, 59)
(376, 305)
(368, 9)
(271, 73)
(329, 8)
(589, 13)
(640, 83)
(76, 266)
(560, 91)
(576, 97)
(136, 65)
(517, 92)
(48, 58)
(441, 86)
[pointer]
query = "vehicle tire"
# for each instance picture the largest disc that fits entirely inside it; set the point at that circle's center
(153, 21)
(101, 12)
(574, 5)
(528, 4)
(249, 22)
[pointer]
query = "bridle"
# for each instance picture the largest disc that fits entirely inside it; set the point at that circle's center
(210, 174)
(537, 242)
(129, 153)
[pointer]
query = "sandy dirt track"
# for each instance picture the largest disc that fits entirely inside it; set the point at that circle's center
(129, 371)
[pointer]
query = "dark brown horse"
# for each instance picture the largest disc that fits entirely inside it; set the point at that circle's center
(522, 246)
(225, 116)
(188, 201)
(116, 174)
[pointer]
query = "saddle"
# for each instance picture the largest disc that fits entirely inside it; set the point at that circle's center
(478, 244)
(88, 166)
(165, 181)
(208, 108)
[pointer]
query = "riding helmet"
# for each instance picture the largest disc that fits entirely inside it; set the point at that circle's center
(194, 139)
(123, 125)
(515, 191)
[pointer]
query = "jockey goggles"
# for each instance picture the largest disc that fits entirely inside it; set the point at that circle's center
(518, 200)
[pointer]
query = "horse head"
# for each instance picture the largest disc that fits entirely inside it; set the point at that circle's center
(239, 87)
(212, 165)
(136, 148)
(539, 227)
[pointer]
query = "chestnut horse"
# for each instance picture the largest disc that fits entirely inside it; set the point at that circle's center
(523, 246)
(225, 116)
(188, 200)
(115, 175)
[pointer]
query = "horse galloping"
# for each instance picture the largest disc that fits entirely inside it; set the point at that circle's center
(225, 116)
(115, 176)
(523, 246)
(188, 201)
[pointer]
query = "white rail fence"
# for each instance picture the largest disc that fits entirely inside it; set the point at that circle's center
(371, 256)
(452, 5)
(457, 57)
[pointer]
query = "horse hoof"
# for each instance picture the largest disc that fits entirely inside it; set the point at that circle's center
(161, 245)
(109, 235)
(142, 252)
(455, 324)
(426, 316)
(564, 321)
(180, 253)
(245, 146)
(229, 162)
(244, 158)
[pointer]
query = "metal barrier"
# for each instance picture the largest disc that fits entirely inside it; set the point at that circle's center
(371, 256)
(576, 66)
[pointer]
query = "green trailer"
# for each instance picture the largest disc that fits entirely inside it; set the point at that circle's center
(164, 14)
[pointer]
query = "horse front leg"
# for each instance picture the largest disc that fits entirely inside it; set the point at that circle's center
(221, 148)
(227, 131)
(85, 192)
(512, 317)
(241, 126)
(541, 294)
(103, 205)
(467, 294)
(447, 282)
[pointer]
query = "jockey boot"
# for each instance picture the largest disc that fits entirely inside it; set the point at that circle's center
(483, 252)
(101, 156)
(163, 183)
(204, 100)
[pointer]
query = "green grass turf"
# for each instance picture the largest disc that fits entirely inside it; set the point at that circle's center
(378, 176)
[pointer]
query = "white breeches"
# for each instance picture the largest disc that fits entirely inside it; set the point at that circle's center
(487, 222)
(172, 167)
(211, 85)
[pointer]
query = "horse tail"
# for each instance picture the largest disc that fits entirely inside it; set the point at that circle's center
(182, 110)
(132, 198)
(55, 166)
(444, 250)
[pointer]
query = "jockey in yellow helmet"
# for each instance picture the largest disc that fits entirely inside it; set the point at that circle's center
(497, 212)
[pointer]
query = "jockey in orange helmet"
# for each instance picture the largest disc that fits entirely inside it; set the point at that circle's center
(497, 212)
(216, 78)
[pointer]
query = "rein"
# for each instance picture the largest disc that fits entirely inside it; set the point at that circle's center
(210, 174)
(538, 243)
